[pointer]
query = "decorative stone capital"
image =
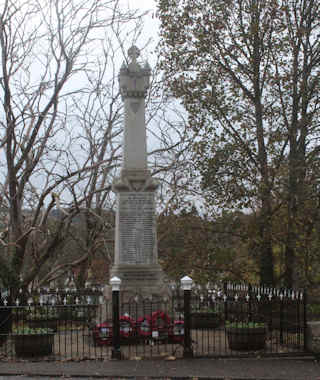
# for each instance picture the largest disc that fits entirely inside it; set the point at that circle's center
(134, 79)
(135, 180)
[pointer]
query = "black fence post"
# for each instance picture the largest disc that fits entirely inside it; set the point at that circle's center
(225, 301)
(186, 284)
(250, 302)
(281, 297)
(305, 300)
(116, 352)
(5, 316)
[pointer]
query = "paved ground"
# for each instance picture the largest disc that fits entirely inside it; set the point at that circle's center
(193, 369)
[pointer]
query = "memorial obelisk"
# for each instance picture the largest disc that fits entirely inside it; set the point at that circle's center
(136, 256)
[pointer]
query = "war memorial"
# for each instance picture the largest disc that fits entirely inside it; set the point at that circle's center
(136, 256)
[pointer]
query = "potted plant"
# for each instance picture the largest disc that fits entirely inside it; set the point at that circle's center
(205, 318)
(43, 317)
(246, 336)
(33, 341)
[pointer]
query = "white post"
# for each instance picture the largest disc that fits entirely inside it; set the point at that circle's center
(115, 283)
(186, 283)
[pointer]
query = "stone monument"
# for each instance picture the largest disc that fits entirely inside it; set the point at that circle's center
(136, 256)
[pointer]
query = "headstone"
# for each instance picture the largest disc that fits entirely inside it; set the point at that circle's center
(136, 256)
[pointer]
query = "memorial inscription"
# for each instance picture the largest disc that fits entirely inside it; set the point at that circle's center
(136, 227)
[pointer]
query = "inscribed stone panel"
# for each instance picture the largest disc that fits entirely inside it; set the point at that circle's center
(136, 227)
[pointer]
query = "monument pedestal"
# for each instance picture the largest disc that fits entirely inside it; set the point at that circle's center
(141, 280)
(136, 256)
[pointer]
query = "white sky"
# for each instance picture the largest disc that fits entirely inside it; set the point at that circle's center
(142, 4)
(151, 24)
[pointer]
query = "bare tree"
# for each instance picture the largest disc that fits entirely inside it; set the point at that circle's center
(61, 134)
(49, 51)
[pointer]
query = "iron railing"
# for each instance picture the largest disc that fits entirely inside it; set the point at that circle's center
(197, 322)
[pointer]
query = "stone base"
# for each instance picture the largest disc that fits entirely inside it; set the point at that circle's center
(141, 280)
(139, 283)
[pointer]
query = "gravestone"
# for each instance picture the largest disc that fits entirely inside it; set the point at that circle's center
(136, 256)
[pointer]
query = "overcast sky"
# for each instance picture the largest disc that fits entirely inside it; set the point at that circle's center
(151, 24)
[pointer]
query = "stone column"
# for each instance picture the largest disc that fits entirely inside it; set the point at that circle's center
(136, 256)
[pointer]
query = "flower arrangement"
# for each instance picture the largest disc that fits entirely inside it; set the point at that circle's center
(245, 325)
(26, 330)
(43, 313)
(206, 309)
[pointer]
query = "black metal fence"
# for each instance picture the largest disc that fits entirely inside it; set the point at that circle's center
(241, 320)
(57, 324)
(232, 320)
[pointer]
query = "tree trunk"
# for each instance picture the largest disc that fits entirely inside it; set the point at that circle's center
(266, 253)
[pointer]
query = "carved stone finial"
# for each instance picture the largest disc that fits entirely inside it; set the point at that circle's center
(134, 78)
(134, 53)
